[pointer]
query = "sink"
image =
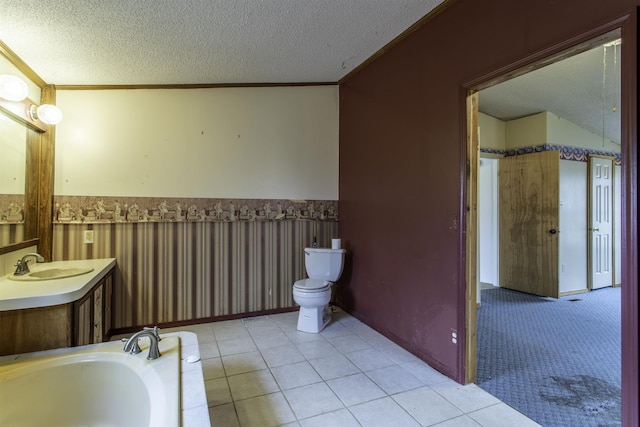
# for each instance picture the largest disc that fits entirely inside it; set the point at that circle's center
(52, 273)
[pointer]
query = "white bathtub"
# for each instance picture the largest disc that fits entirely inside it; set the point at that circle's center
(97, 385)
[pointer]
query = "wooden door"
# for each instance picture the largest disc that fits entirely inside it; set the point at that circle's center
(528, 218)
(600, 222)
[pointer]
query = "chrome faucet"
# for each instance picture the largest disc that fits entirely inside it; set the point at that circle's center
(132, 346)
(22, 266)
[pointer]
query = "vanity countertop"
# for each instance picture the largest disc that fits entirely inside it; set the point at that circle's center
(16, 295)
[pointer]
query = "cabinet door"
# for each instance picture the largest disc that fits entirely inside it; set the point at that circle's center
(107, 298)
(83, 321)
(98, 311)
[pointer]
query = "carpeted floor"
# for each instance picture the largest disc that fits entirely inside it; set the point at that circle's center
(557, 361)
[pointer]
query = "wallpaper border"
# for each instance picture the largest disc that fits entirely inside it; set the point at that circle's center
(567, 152)
(109, 209)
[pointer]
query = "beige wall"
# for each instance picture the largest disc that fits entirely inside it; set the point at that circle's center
(492, 132)
(526, 131)
(547, 128)
(266, 143)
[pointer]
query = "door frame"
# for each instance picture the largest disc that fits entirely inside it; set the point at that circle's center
(627, 25)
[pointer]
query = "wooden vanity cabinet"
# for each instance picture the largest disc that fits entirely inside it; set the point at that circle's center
(85, 321)
(92, 314)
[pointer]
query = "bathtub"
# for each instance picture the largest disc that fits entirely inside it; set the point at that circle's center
(96, 385)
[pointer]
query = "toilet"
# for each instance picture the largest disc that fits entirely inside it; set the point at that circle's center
(324, 266)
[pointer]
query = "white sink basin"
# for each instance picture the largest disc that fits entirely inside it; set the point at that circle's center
(51, 274)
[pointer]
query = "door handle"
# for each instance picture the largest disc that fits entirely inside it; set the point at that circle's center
(553, 231)
(594, 229)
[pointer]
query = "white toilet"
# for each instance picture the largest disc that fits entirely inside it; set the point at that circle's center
(324, 266)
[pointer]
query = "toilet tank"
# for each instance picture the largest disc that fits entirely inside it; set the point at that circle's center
(324, 264)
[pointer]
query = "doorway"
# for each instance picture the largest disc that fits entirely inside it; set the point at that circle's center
(475, 140)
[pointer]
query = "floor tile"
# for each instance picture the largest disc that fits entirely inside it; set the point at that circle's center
(355, 389)
(467, 398)
(463, 421)
(212, 368)
(277, 339)
(263, 372)
(424, 372)
(334, 329)
(397, 353)
(224, 415)
(340, 418)
(295, 375)
(252, 384)
(230, 332)
(236, 346)
(244, 362)
(382, 413)
(427, 406)
(334, 367)
(209, 350)
(501, 415)
(317, 349)
(297, 336)
(265, 411)
(349, 343)
(369, 359)
(217, 392)
(314, 399)
(284, 355)
(394, 379)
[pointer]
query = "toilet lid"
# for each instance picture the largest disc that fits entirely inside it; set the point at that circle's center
(311, 284)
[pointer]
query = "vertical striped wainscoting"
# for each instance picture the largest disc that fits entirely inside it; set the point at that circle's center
(182, 271)
(11, 233)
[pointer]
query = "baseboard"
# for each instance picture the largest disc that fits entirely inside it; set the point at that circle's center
(578, 291)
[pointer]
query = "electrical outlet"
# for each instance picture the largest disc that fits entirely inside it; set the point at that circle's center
(88, 236)
(454, 336)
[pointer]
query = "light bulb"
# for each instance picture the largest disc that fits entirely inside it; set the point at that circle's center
(13, 88)
(46, 113)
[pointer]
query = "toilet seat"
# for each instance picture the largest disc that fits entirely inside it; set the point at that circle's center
(312, 285)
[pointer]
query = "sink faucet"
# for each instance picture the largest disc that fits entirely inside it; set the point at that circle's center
(133, 347)
(22, 266)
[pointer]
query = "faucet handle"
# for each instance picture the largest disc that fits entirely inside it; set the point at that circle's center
(156, 331)
(135, 348)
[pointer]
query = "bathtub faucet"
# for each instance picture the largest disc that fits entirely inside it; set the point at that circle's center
(22, 266)
(132, 346)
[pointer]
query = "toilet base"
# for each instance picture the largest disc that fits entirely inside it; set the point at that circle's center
(313, 319)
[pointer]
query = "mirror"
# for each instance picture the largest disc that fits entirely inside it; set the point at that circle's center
(19, 150)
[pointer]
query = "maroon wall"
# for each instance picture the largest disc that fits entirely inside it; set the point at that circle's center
(402, 139)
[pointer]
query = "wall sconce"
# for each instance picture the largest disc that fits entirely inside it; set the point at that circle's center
(13, 88)
(46, 113)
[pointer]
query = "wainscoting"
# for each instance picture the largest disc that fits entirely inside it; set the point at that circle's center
(171, 272)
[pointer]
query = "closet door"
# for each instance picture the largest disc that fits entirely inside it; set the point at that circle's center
(600, 222)
(528, 222)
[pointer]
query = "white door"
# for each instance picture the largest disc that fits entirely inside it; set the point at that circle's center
(488, 221)
(600, 222)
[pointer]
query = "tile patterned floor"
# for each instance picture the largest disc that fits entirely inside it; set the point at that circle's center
(262, 372)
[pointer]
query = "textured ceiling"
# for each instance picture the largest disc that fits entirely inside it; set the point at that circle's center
(128, 42)
(146, 42)
(571, 89)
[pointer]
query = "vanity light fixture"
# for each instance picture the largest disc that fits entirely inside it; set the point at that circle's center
(46, 113)
(13, 88)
